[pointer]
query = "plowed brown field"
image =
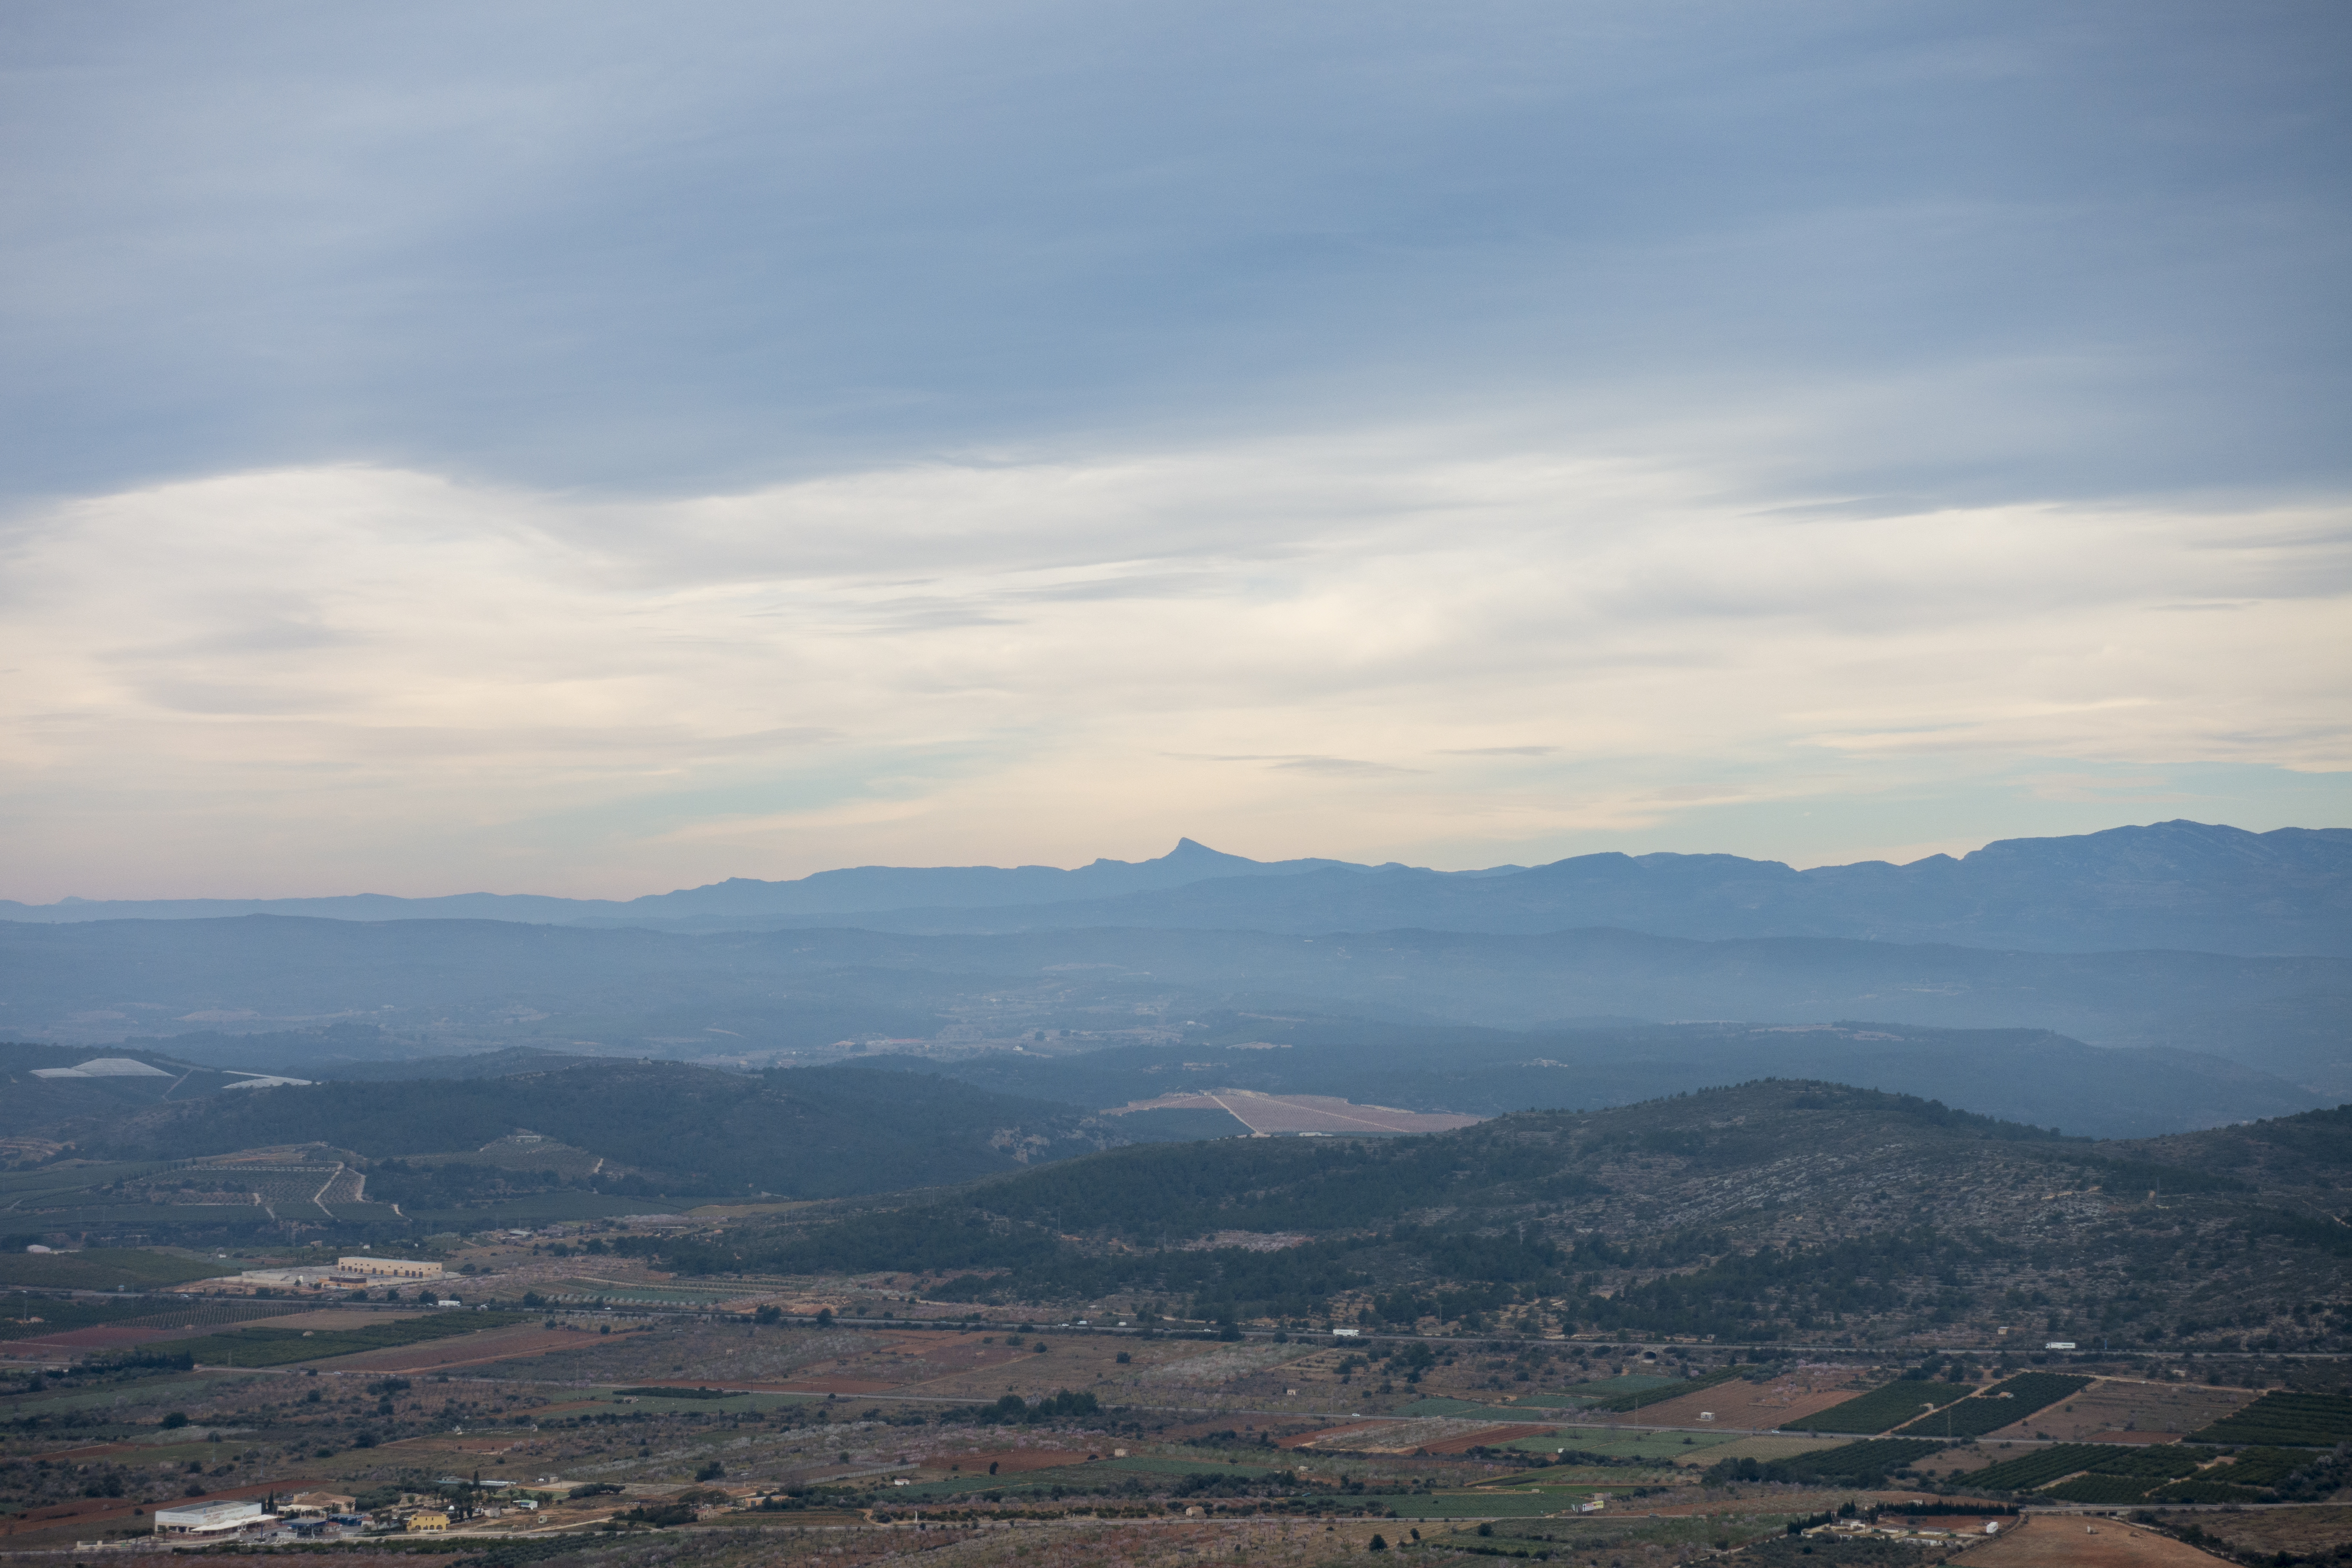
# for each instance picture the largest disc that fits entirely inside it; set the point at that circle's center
(2115, 1411)
(2071, 1541)
(1741, 1406)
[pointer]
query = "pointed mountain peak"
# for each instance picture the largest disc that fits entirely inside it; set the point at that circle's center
(1193, 852)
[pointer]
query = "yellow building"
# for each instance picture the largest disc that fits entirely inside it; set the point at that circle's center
(428, 1522)
(388, 1267)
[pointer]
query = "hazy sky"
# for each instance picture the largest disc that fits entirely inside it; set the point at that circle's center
(595, 449)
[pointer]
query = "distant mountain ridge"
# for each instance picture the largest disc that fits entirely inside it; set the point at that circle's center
(2171, 884)
(851, 891)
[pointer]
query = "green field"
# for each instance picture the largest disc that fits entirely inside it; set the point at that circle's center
(1434, 1405)
(1884, 1407)
(2036, 1468)
(1664, 1447)
(280, 1347)
(106, 1269)
(30, 1189)
(59, 1315)
(2293, 1420)
(1633, 1399)
(2011, 1399)
(2095, 1488)
(539, 1208)
(1848, 1464)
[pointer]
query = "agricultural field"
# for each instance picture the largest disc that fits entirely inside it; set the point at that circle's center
(537, 1209)
(1783, 1403)
(1886, 1407)
(108, 1268)
(827, 1422)
(2058, 1540)
(1631, 1400)
(2308, 1533)
(2315, 1420)
(2032, 1469)
(1665, 1447)
(2115, 1474)
(2011, 1399)
(2120, 1410)
(1767, 1448)
(278, 1345)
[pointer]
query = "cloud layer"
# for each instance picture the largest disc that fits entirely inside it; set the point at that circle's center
(1408, 645)
(594, 449)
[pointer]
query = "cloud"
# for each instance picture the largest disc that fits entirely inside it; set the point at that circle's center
(592, 447)
(598, 247)
(1461, 647)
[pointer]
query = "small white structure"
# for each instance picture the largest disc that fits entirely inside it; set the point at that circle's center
(1993, 1527)
(448, 1301)
(1347, 1333)
(1706, 1415)
(2059, 1345)
(389, 1267)
(208, 1517)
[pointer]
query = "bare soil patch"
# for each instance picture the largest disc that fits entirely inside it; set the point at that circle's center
(1309, 1440)
(345, 1318)
(2113, 1410)
(1470, 1440)
(2071, 1541)
(1303, 1113)
(1749, 1406)
(2310, 1531)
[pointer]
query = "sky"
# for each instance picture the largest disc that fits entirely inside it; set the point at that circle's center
(595, 449)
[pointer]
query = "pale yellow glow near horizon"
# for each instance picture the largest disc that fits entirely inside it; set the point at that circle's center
(333, 679)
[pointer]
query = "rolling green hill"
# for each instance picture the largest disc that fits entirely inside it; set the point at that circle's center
(675, 1130)
(1771, 1210)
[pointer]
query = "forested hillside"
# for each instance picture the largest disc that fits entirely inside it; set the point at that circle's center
(1773, 1211)
(675, 1129)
